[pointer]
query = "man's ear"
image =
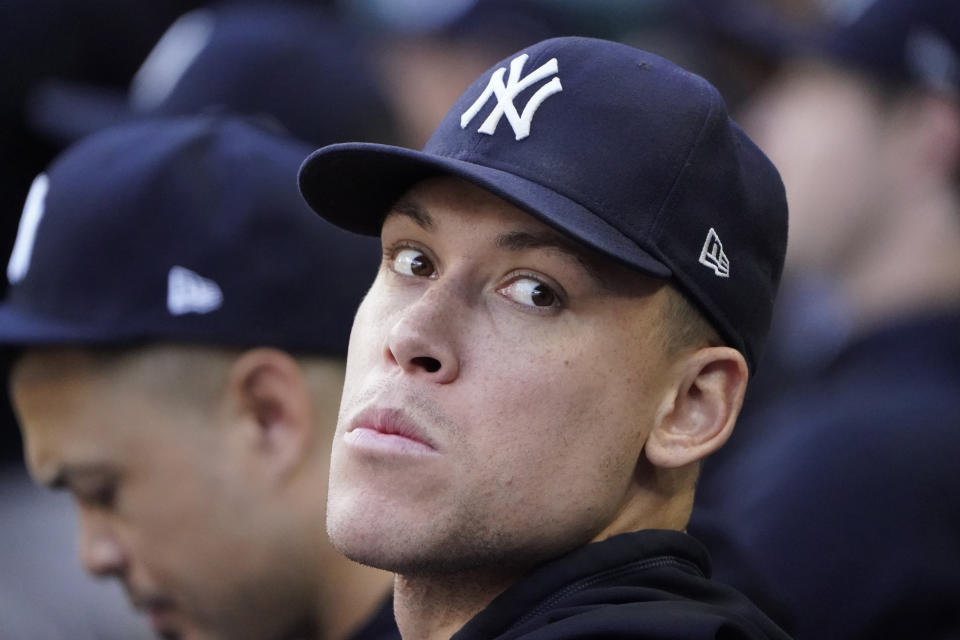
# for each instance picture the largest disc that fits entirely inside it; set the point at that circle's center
(267, 393)
(699, 415)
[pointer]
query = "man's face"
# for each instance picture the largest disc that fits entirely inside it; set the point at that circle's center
(500, 386)
(162, 499)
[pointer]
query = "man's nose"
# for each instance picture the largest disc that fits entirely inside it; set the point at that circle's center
(424, 336)
(101, 552)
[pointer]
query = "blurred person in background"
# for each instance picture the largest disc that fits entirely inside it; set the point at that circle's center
(179, 375)
(291, 64)
(428, 52)
(100, 41)
(854, 419)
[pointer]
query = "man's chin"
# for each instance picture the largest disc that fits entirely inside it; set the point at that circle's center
(164, 627)
(374, 544)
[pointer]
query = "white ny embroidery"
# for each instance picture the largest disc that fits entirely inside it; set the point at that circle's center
(505, 94)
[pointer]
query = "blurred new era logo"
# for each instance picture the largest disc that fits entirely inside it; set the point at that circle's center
(505, 94)
(712, 255)
(189, 292)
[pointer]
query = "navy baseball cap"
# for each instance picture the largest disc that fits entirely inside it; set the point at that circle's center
(292, 62)
(617, 148)
(911, 41)
(182, 230)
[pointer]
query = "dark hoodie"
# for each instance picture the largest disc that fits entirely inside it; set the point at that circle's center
(648, 584)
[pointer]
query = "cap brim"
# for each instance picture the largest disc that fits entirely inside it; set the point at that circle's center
(22, 329)
(353, 186)
(66, 112)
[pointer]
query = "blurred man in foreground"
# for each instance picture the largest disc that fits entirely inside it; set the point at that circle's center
(180, 376)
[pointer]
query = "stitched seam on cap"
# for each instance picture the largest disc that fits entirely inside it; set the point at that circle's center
(658, 219)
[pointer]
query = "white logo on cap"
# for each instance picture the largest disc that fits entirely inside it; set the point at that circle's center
(189, 292)
(712, 255)
(505, 94)
(33, 210)
(171, 57)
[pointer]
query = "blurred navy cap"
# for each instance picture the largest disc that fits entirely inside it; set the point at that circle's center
(907, 41)
(286, 61)
(914, 41)
(619, 149)
(510, 23)
(182, 230)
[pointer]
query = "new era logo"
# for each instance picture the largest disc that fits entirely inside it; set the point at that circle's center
(712, 255)
(188, 292)
(505, 94)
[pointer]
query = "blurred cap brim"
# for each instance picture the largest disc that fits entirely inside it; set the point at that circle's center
(21, 329)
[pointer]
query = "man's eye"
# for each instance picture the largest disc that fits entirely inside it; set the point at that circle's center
(530, 292)
(103, 497)
(411, 262)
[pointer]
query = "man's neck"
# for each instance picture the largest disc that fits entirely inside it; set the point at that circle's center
(436, 607)
(349, 595)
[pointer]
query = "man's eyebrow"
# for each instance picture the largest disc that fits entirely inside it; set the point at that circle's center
(521, 240)
(413, 210)
(67, 475)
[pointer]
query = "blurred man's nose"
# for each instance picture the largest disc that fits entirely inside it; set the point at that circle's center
(101, 552)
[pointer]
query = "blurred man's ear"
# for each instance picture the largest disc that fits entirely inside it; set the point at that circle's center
(698, 416)
(269, 399)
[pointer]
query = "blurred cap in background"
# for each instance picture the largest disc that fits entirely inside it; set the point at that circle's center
(911, 41)
(189, 230)
(289, 62)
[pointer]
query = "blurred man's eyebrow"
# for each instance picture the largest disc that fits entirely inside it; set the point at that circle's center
(67, 475)
(409, 208)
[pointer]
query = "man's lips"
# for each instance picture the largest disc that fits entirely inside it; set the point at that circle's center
(149, 602)
(159, 609)
(387, 431)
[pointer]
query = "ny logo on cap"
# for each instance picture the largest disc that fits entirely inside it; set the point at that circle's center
(712, 255)
(505, 94)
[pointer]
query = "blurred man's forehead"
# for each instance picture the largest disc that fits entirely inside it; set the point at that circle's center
(82, 417)
(75, 475)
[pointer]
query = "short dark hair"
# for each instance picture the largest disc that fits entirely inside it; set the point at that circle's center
(685, 327)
